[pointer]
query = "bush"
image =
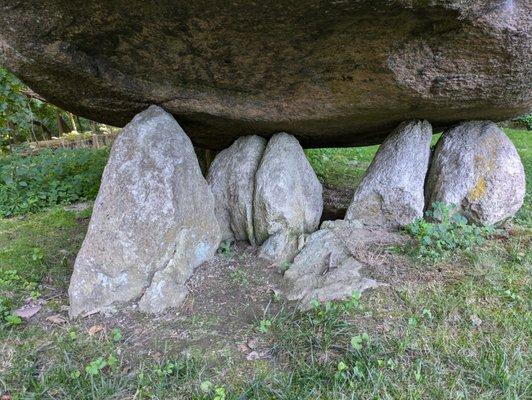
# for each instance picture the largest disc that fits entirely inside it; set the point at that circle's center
(445, 230)
(50, 178)
(525, 120)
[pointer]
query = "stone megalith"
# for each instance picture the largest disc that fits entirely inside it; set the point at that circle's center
(476, 167)
(287, 201)
(153, 222)
(232, 181)
(391, 192)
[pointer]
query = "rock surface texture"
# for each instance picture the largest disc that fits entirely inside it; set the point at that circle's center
(477, 168)
(267, 194)
(153, 222)
(287, 201)
(232, 181)
(332, 265)
(391, 192)
(329, 72)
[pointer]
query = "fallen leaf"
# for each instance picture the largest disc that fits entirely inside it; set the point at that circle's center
(93, 330)
(28, 312)
(244, 348)
(56, 319)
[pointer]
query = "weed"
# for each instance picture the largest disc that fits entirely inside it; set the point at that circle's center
(445, 231)
(265, 325)
(225, 249)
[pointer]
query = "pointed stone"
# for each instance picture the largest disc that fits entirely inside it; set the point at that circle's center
(391, 192)
(153, 222)
(288, 199)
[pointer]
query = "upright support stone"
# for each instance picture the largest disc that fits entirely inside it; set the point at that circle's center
(232, 181)
(288, 199)
(267, 194)
(477, 168)
(391, 192)
(153, 222)
(389, 196)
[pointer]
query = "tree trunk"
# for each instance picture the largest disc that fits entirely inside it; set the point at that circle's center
(62, 126)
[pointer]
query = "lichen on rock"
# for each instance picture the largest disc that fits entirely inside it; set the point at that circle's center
(477, 168)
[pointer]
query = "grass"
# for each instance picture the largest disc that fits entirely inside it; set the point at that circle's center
(460, 329)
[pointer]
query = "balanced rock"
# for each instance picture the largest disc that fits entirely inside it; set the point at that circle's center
(287, 201)
(391, 192)
(232, 181)
(329, 72)
(477, 168)
(328, 268)
(153, 222)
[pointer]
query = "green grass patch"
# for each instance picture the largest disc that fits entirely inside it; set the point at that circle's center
(462, 332)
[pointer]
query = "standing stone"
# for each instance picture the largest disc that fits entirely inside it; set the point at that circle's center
(232, 181)
(391, 192)
(287, 201)
(477, 168)
(153, 221)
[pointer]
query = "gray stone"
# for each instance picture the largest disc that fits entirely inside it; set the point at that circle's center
(328, 267)
(287, 200)
(153, 222)
(232, 181)
(391, 192)
(332, 73)
(477, 168)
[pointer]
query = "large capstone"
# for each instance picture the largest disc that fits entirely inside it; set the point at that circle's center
(329, 72)
(232, 181)
(153, 222)
(288, 199)
(476, 168)
(391, 192)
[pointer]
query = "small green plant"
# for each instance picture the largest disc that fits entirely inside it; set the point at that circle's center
(5, 314)
(358, 341)
(225, 249)
(265, 325)
(219, 393)
(96, 366)
(116, 334)
(284, 266)
(240, 277)
(445, 230)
